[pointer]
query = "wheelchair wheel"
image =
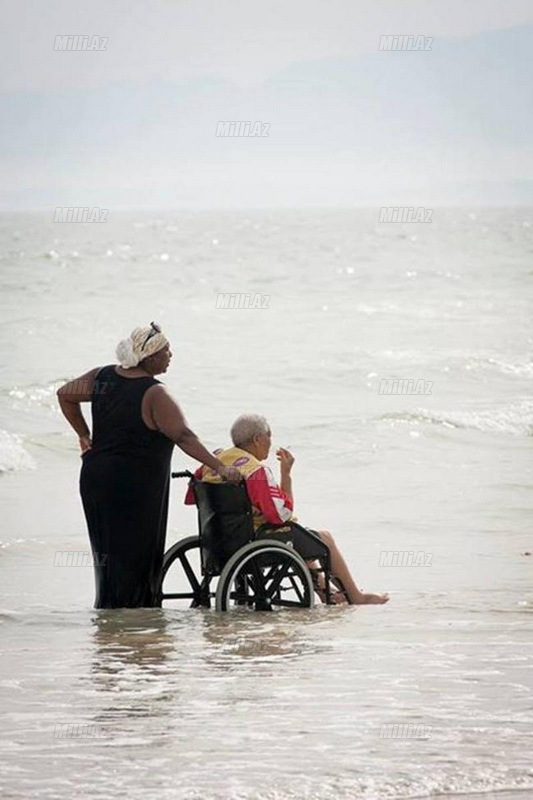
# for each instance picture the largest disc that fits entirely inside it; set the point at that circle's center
(181, 569)
(265, 575)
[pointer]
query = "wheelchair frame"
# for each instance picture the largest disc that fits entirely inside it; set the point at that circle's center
(263, 569)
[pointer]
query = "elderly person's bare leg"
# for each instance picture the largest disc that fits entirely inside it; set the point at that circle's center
(339, 569)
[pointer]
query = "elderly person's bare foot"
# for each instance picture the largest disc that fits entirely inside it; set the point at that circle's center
(339, 598)
(366, 598)
(343, 589)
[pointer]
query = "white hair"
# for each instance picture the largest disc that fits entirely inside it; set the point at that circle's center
(246, 427)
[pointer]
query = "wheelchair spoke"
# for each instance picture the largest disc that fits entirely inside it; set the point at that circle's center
(272, 576)
(273, 588)
(258, 581)
(241, 594)
(202, 596)
(282, 570)
(189, 572)
(182, 565)
(296, 589)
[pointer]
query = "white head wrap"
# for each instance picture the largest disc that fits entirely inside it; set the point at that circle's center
(142, 342)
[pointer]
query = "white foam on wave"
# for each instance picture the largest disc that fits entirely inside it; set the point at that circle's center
(387, 307)
(516, 419)
(36, 394)
(482, 363)
(440, 782)
(13, 456)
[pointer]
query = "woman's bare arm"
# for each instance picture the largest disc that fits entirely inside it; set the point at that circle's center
(70, 396)
(168, 418)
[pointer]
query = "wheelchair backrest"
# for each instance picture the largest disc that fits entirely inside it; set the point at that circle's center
(225, 522)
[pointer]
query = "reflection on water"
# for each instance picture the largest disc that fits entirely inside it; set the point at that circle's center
(204, 705)
(145, 642)
(130, 653)
(259, 637)
(130, 637)
(161, 665)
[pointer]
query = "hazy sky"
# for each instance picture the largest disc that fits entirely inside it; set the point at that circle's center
(134, 125)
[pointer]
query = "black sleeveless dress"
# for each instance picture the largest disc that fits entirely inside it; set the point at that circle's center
(124, 486)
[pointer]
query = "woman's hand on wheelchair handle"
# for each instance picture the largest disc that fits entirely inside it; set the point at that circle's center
(230, 474)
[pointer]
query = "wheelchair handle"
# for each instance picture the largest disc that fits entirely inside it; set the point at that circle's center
(184, 474)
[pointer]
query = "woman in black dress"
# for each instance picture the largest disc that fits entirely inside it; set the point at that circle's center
(125, 475)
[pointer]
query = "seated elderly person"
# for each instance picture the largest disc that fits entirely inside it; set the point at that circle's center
(273, 503)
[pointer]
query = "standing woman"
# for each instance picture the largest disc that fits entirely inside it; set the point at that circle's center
(125, 474)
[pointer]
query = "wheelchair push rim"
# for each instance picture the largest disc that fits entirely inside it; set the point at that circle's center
(265, 575)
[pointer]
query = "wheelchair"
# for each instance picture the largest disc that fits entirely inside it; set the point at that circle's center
(259, 570)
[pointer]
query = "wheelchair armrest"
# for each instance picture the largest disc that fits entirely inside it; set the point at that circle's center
(267, 527)
(306, 542)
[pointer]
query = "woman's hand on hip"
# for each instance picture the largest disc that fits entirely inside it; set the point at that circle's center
(85, 443)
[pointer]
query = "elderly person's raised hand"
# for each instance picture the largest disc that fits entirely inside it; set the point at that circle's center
(285, 458)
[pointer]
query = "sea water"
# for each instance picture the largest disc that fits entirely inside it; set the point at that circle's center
(429, 695)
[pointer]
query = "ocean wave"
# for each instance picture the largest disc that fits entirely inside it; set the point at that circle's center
(516, 419)
(13, 456)
(441, 783)
(22, 544)
(6, 615)
(386, 307)
(42, 395)
(449, 361)
(480, 363)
